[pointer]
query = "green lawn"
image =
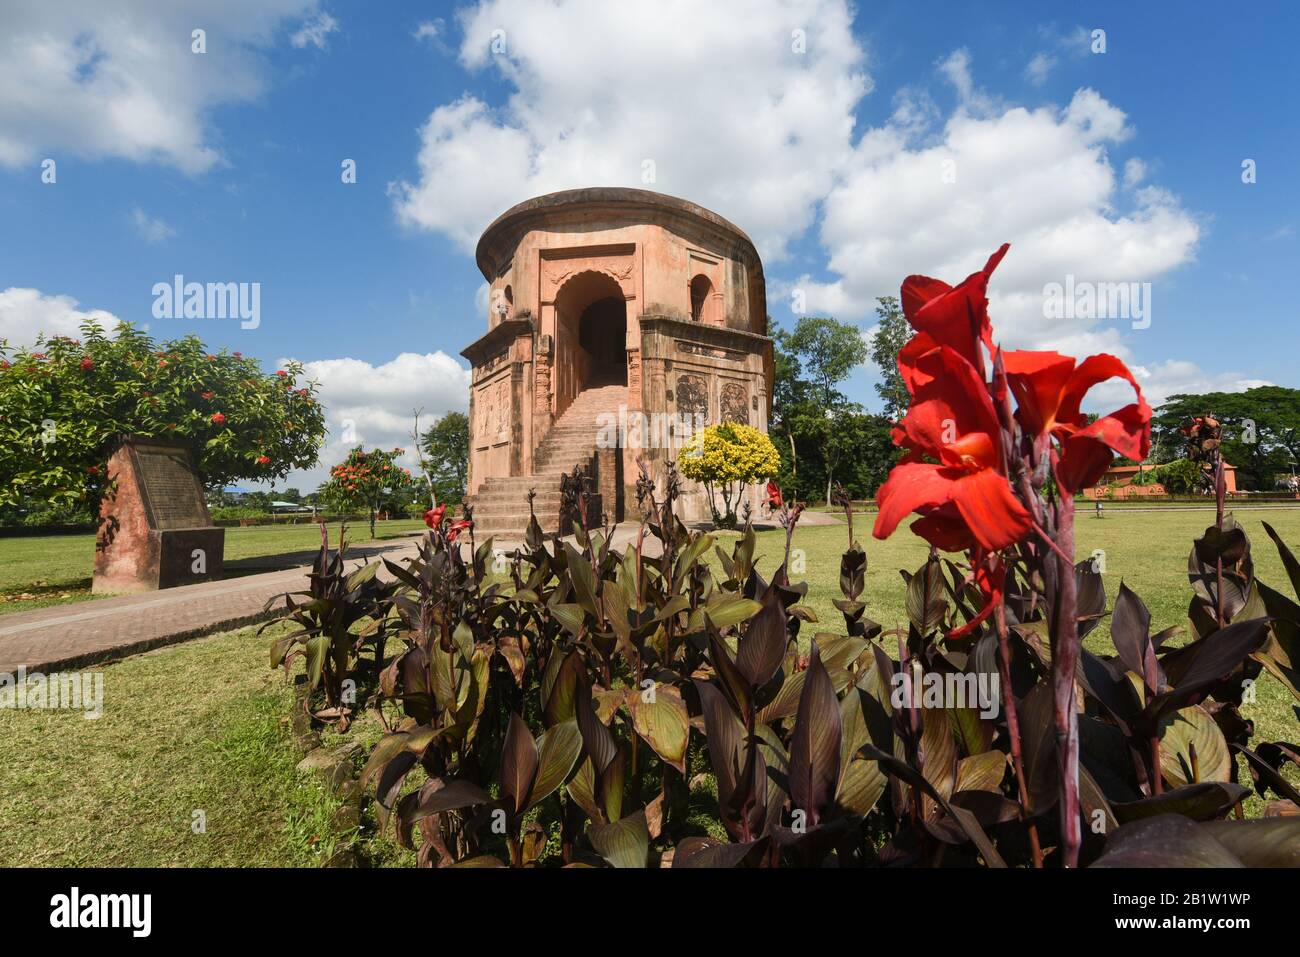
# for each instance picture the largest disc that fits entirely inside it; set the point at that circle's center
(198, 727)
(56, 569)
(203, 725)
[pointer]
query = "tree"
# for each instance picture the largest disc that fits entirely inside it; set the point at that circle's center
(726, 458)
(827, 351)
(789, 390)
(892, 333)
(1261, 430)
(64, 405)
(446, 443)
(368, 480)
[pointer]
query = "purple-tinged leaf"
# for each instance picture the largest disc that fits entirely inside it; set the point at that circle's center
(734, 683)
(518, 764)
(597, 740)
(1200, 802)
(1264, 842)
(712, 853)
(1168, 840)
(815, 743)
(762, 649)
(1130, 629)
(1201, 664)
(624, 843)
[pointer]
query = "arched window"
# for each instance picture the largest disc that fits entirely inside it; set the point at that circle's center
(701, 299)
(505, 304)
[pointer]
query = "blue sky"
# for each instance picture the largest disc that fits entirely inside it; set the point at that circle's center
(225, 166)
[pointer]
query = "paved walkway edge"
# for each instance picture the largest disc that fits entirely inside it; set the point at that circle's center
(105, 656)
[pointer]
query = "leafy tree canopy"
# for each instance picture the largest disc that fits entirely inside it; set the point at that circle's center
(64, 405)
(446, 447)
(892, 333)
(823, 438)
(1261, 431)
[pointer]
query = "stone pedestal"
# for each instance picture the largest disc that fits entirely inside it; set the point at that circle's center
(154, 527)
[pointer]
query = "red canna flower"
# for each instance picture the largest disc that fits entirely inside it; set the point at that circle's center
(952, 423)
(990, 575)
(457, 528)
(953, 316)
(1049, 389)
(433, 517)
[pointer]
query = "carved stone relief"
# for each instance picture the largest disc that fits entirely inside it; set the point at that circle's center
(734, 403)
(693, 396)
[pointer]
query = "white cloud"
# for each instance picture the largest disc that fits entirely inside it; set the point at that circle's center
(1039, 68)
(1074, 44)
(1174, 376)
(1040, 179)
(1134, 172)
(373, 405)
(314, 31)
(714, 95)
(428, 30)
(26, 313)
(98, 80)
(151, 228)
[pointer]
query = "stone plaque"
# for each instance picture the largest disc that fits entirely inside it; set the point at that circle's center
(154, 526)
(172, 491)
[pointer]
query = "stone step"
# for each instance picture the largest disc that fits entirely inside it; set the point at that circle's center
(501, 504)
(498, 499)
(540, 481)
(514, 525)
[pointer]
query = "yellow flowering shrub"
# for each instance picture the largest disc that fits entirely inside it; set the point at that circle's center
(728, 457)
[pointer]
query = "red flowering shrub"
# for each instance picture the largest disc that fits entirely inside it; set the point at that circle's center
(64, 405)
(366, 479)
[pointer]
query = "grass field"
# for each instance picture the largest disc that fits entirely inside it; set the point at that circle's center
(56, 569)
(203, 725)
(197, 727)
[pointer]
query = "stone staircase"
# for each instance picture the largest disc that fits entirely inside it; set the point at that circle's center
(501, 503)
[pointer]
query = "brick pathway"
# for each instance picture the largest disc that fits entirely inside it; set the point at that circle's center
(105, 629)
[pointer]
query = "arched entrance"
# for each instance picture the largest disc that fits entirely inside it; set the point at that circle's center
(590, 336)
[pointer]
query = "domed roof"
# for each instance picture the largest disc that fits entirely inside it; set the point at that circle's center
(509, 225)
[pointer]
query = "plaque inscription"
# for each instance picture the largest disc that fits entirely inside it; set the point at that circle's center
(174, 496)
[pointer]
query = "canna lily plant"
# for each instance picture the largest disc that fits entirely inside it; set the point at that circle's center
(677, 704)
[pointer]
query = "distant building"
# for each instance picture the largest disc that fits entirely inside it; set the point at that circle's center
(1119, 481)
